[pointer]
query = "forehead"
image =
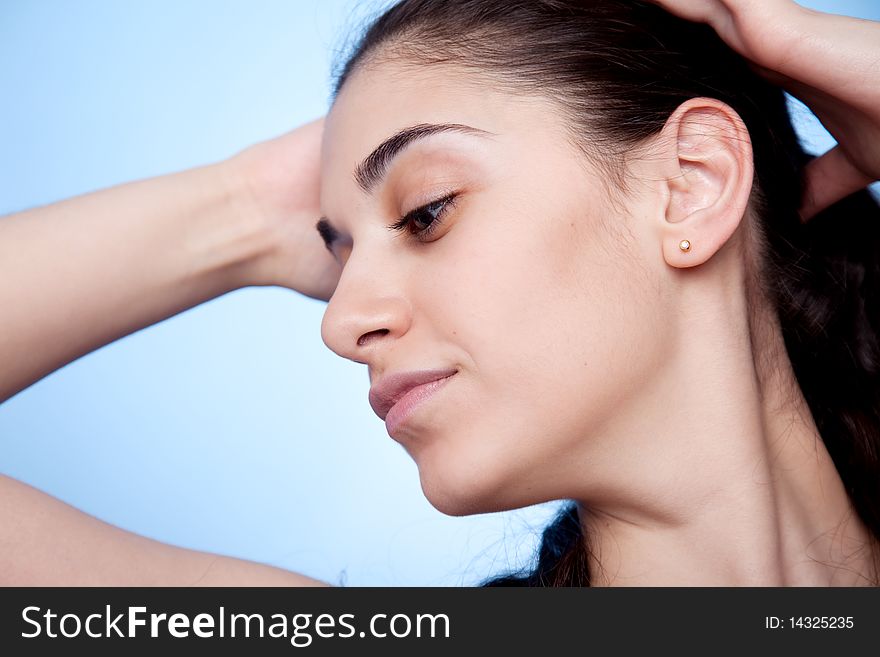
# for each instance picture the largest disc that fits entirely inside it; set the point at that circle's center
(381, 99)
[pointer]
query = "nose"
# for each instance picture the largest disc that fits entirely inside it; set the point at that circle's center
(367, 312)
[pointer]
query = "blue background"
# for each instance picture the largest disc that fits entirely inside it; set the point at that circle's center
(231, 427)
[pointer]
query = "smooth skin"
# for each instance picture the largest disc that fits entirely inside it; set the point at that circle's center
(250, 221)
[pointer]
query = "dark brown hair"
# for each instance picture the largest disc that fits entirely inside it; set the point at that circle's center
(616, 70)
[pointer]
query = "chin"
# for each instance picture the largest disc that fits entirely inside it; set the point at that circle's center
(464, 486)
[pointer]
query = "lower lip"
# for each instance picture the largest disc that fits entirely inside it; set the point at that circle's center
(406, 405)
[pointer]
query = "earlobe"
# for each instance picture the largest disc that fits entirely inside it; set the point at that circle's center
(709, 180)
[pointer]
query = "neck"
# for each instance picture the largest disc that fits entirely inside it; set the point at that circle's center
(727, 481)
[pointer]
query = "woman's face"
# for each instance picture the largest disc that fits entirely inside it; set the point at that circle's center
(533, 286)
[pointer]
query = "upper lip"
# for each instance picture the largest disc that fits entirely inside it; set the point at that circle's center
(386, 392)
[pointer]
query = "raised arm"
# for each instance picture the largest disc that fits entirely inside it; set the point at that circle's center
(827, 61)
(44, 542)
(78, 274)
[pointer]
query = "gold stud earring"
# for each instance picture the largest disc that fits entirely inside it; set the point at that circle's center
(684, 245)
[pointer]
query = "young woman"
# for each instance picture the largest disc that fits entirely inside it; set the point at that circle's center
(568, 240)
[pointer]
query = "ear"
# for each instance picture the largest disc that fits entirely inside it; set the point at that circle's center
(707, 179)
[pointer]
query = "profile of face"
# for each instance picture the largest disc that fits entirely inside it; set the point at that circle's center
(543, 293)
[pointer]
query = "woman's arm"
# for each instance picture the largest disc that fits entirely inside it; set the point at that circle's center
(83, 272)
(44, 542)
(78, 274)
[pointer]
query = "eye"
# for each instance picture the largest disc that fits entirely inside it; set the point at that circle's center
(423, 221)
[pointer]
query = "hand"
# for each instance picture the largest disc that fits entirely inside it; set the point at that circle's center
(281, 177)
(829, 62)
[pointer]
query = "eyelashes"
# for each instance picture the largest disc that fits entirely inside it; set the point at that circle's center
(422, 222)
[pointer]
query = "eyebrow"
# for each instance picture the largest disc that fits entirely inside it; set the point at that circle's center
(369, 173)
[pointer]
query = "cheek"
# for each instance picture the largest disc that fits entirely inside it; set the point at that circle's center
(560, 326)
(564, 297)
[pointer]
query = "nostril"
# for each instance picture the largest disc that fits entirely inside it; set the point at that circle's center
(367, 336)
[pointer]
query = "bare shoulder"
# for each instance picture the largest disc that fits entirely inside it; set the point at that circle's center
(45, 542)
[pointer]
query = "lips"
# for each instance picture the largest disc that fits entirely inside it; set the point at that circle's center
(387, 392)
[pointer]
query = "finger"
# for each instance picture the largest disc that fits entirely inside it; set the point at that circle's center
(830, 178)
